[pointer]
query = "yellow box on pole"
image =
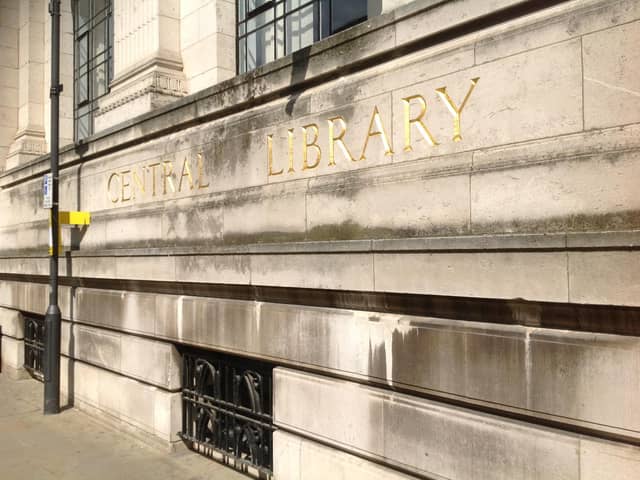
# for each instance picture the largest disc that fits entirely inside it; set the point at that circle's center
(75, 218)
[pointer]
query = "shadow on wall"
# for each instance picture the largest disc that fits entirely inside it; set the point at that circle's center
(298, 74)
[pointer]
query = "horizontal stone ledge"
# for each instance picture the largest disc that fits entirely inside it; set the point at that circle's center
(605, 240)
(30, 293)
(143, 407)
(151, 361)
(437, 440)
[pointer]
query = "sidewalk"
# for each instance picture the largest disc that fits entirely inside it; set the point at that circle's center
(72, 445)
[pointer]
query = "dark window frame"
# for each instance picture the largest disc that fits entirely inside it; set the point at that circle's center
(93, 62)
(323, 25)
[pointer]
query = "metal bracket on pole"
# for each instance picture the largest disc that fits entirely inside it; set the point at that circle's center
(56, 90)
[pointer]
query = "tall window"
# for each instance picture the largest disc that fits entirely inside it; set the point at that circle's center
(270, 29)
(93, 60)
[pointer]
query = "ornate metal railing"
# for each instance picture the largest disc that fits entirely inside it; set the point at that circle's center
(227, 410)
(33, 345)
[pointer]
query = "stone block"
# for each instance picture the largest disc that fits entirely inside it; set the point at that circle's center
(213, 269)
(559, 196)
(146, 267)
(150, 409)
(434, 439)
(296, 458)
(339, 271)
(518, 98)
(12, 360)
(397, 201)
(582, 366)
(532, 276)
(274, 213)
(12, 323)
(600, 459)
(551, 25)
(443, 17)
(611, 93)
(126, 311)
(605, 277)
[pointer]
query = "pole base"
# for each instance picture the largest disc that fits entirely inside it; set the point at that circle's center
(52, 360)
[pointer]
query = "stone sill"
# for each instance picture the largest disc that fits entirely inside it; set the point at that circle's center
(375, 41)
(615, 240)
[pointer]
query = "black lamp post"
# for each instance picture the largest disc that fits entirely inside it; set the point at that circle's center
(52, 318)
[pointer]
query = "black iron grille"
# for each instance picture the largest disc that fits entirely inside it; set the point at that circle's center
(227, 410)
(33, 345)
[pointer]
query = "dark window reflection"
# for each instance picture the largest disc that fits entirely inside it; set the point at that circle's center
(268, 30)
(93, 59)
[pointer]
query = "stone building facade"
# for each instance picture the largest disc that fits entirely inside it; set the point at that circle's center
(403, 243)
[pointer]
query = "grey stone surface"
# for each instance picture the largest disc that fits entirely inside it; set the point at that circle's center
(149, 409)
(611, 93)
(425, 436)
(151, 361)
(296, 458)
(11, 323)
(605, 277)
(76, 446)
(533, 276)
(12, 357)
(585, 379)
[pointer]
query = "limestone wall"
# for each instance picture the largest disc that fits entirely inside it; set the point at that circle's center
(351, 214)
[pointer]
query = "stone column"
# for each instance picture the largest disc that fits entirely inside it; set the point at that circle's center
(378, 7)
(147, 61)
(9, 14)
(208, 41)
(29, 141)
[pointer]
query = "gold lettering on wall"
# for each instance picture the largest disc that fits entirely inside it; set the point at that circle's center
(124, 184)
(201, 181)
(456, 111)
(140, 180)
(114, 198)
(270, 157)
(290, 145)
(417, 121)
(153, 167)
(186, 172)
(306, 146)
(379, 131)
(338, 140)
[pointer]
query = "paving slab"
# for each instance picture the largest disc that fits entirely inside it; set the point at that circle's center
(73, 445)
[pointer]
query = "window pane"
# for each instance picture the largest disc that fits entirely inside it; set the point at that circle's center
(82, 47)
(242, 55)
(280, 51)
(241, 10)
(253, 4)
(344, 14)
(82, 89)
(83, 12)
(100, 80)
(99, 5)
(99, 37)
(260, 46)
(82, 127)
(294, 4)
(259, 20)
(299, 27)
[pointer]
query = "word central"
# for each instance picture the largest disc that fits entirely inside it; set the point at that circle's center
(158, 178)
(337, 129)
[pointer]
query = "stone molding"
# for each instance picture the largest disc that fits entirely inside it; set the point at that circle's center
(152, 83)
